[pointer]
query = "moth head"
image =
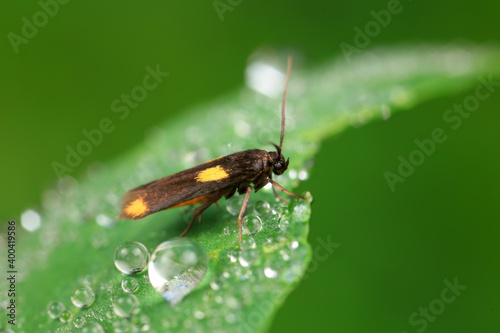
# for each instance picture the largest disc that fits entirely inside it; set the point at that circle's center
(278, 162)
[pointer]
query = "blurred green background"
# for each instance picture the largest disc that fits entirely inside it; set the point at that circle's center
(394, 249)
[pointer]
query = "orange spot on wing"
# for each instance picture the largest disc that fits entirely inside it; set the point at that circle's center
(136, 208)
(212, 174)
(191, 202)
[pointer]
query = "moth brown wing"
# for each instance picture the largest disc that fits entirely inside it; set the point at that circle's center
(161, 194)
(190, 186)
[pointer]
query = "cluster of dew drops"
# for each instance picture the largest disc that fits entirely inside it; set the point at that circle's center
(177, 266)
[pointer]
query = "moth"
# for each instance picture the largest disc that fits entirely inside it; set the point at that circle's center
(206, 183)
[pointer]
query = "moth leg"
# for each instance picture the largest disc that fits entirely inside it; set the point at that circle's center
(188, 227)
(244, 207)
(197, 212)
(282, 189)
(279, 197)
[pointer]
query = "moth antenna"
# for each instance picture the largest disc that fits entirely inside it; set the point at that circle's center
(288, 71)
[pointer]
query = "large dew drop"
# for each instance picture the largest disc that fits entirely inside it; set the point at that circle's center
(177, 267)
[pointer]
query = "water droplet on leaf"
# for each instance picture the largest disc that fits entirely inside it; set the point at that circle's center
(129, 284)
(126, 305)
(252, 224)
(65, 316)
(83, 297)
(79, 322)
(262, 208)
(54, 309)
(131, 257)
(177, 267)
(92, 327)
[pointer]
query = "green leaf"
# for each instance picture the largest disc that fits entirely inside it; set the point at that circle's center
(70, 249)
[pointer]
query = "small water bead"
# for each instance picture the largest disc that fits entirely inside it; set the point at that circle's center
(110, 314)
(83, 297)
(65, 316)
(140, 323)
(218, 299)
(199, 314)
(270, 273)
(230, 318)
(177, 267)
(31, 220)
(252, 224)
(105, 221)
(67, 185)
(284, 223)
(99, 239)
(272, 266)
(248, 257)
(303, 175)
(121, 325)
(79, 322)
(292, 173)
(54, 309)
(196, 157)
(126, 305)
(215, 284)
(301, 212)
(233, 205)
(188, 324)
(232, 303)
(294, 244)
(264, 78)
(286, 253)
(248, 243)
(262, 208)
(243, 273)
(92, 327)
(292, 273)
(131, 257)
(129, 284)
(233, 255)
(88, 280)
